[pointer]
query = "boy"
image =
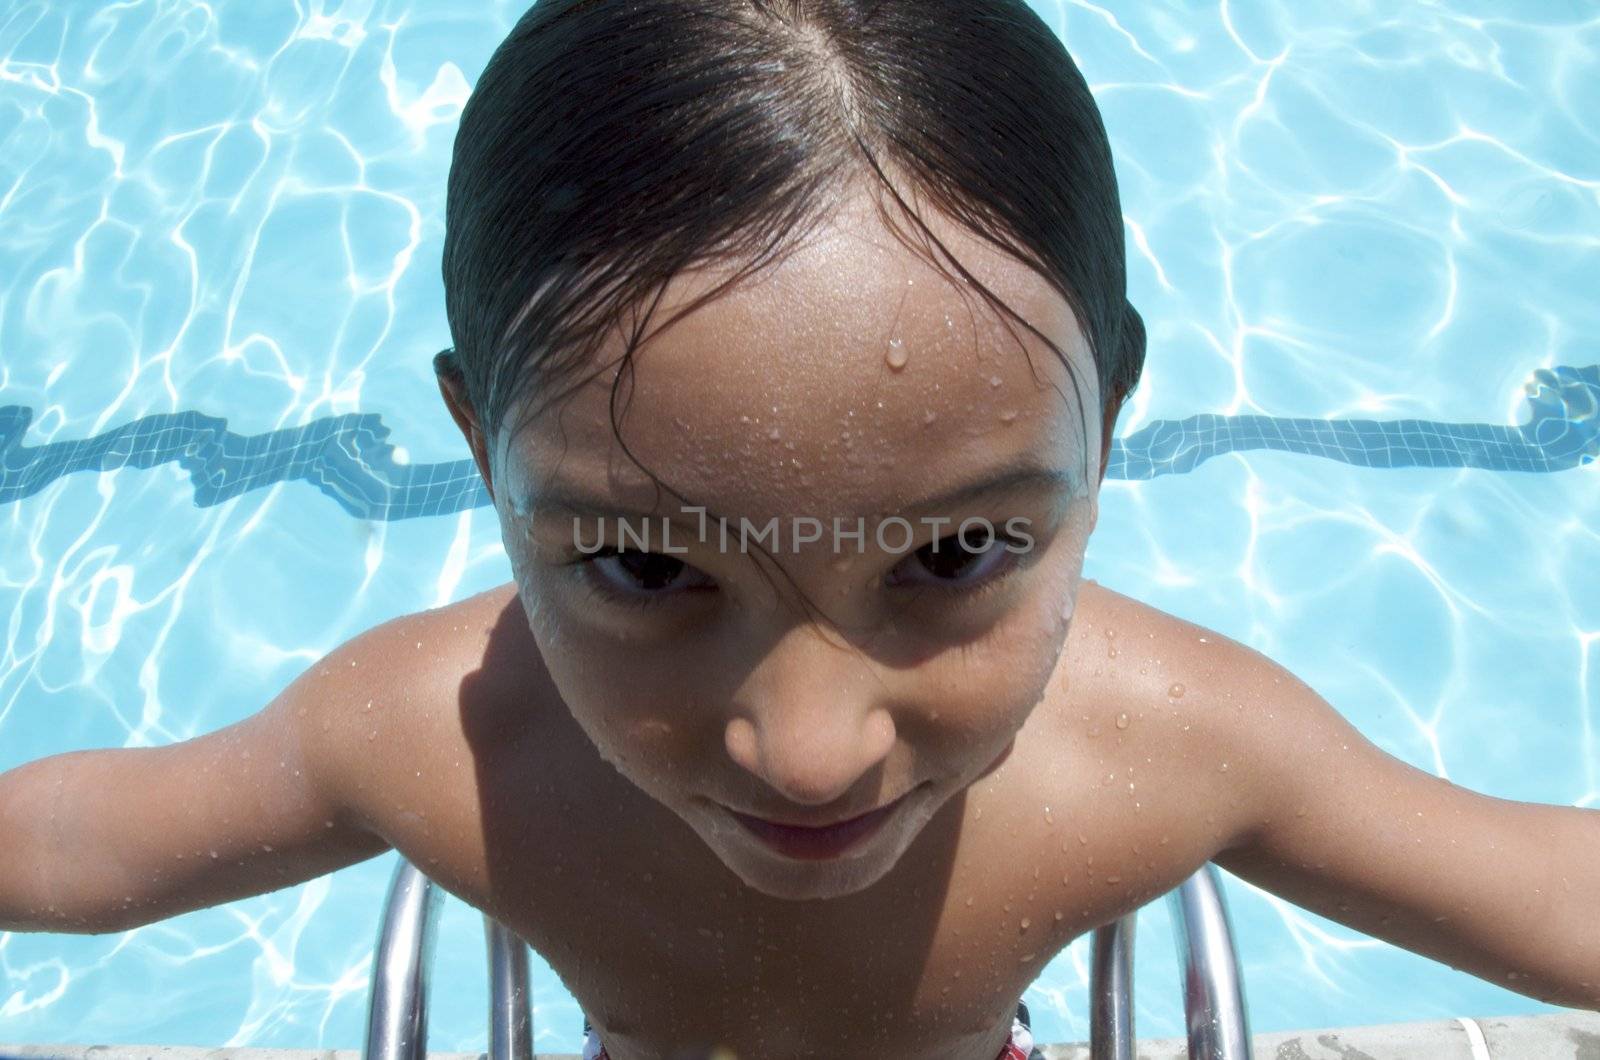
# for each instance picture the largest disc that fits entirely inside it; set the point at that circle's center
(578, 768)
(845, 792)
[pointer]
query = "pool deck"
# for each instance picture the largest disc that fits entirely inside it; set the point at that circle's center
(1573, 1035)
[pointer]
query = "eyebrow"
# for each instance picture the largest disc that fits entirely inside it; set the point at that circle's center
(1006, 481)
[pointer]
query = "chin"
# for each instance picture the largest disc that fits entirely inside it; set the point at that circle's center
(807, 881)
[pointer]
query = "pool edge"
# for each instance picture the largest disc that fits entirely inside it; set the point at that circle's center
(1566, 1034)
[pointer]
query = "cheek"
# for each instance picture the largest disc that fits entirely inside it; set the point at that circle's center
(1031, 639)
(988, 687)
(635, 717)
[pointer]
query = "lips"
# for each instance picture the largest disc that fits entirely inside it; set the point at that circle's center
(820, 825)
(815, 843)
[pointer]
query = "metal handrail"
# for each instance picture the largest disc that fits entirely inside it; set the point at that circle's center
(397, 1004)
(1213, 989)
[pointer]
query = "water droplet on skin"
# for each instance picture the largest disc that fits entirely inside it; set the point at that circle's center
(773, 434)
(1122, 721)
(1223, 768)
(1301, 812)
(1113, 879)
(927, 417)
(1175, 692)
(1059, 914)
(896, 357)
(1024, 924)
(1067, 607)
(1008, 416)
(1083, 839)
(994, 380)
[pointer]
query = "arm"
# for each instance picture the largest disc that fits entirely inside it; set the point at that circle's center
(107, 840)
(1509, 891)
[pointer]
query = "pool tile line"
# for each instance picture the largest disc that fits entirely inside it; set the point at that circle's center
(349, 458)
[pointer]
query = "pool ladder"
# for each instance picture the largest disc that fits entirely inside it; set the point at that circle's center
(1213, 991)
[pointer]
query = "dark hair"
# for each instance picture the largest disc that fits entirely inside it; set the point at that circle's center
(610, 144)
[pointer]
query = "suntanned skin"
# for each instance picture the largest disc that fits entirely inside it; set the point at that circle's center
(566, 761)
(515, 812)
(1070, 753)
(605, 740)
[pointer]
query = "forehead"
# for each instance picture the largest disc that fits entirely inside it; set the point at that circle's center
(849, 376)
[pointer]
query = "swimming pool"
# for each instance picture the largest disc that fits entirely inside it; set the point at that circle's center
(1353, 239)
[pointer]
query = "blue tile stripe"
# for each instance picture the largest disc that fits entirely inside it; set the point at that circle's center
(350, 460)
(1562, 432)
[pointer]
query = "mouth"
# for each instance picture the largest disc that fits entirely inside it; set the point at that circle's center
(816, 844)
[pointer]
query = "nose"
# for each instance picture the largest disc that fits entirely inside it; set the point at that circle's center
(810, 720)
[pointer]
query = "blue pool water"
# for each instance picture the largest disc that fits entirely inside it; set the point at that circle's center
(1366, 244)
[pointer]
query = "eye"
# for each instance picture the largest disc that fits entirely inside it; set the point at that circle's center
(633, 576)
(958, 561)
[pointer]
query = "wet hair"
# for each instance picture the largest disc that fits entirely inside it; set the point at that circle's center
(610, 144)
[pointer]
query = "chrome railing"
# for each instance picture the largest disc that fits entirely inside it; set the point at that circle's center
(397, 1003)
(1213, 990)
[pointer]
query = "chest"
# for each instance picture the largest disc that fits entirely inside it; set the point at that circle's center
(659, 945)
(1090, 816)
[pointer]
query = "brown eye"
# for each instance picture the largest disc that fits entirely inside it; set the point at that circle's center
(636, 576)
(958, 560)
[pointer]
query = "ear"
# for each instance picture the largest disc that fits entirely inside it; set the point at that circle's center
(1108, 419)
(453, 388)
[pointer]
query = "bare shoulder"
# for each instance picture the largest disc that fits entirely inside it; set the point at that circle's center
(1207, 715)
(415, 710)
